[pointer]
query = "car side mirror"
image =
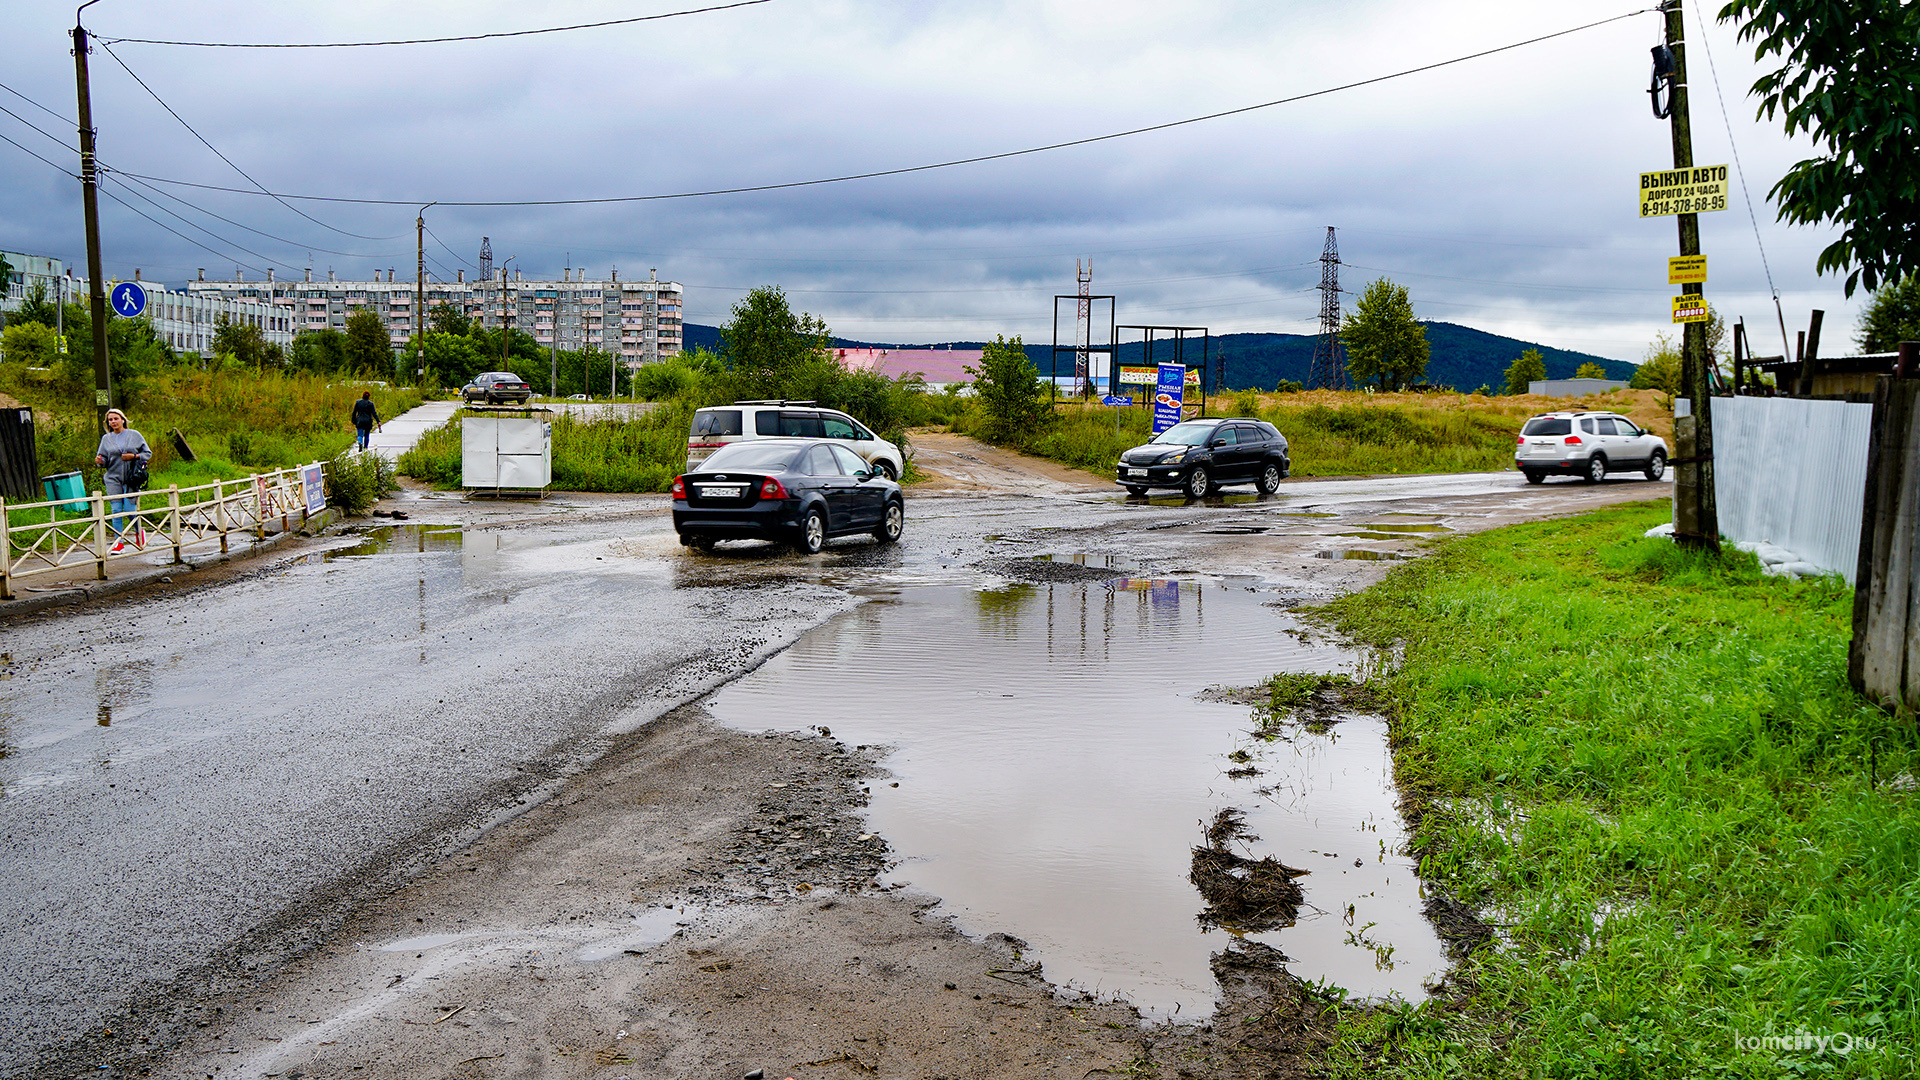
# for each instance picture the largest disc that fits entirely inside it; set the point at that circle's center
(1216, 442)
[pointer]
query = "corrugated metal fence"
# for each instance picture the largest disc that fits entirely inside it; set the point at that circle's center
(1793, 472)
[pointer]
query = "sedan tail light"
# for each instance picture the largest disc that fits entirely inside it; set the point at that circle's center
(1574, 440)
(771, 488)
(679, 487)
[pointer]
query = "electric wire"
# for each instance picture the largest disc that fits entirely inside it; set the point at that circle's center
(63, 119)
(31, 153)
(192, 225)
(456, 255)
(1727, 118)
(109, 194)
(32, 126)
(249, 228)
(1487, 281)
(974, 160)
(225, 158)
(432, 41)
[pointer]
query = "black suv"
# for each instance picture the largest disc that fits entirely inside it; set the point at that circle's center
(497, 387)
(1200, 455)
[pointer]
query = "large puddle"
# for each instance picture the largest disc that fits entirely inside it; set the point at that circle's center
(1056, 763)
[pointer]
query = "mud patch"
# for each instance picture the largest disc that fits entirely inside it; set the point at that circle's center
(1247, 895)
(1045, 570)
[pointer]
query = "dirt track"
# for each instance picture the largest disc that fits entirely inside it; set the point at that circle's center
(702, 902)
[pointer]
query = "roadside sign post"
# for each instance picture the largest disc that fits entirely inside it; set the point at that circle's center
(1684, 192)
(1116, 402)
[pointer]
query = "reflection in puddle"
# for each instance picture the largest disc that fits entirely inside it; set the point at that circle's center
(1081, 558)
(1055, 769)
(400, 538)
(1403, 528)
(1360, 553)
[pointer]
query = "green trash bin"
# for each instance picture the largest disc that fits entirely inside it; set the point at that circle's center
(66, 485)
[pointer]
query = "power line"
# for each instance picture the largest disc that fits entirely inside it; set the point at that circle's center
(430, 41)
(977, 159)
(295, 243)
(218, 255)
(1507, 284)
(450, 251)
(191, 225)
(30, 153)
(225, 158)
(29, 124)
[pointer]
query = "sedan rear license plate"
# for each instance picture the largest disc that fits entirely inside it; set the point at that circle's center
(1136, 472)
(721, 491)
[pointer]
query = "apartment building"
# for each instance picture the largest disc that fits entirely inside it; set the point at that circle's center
(184, 320)
(639, 320)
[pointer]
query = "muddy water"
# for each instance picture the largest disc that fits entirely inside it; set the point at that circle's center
(1055, 765)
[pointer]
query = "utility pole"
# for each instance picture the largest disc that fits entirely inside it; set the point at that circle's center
(504, 317)
(90, 203)
(1696, 518)
(420, 294)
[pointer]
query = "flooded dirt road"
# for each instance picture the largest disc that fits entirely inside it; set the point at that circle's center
(211, 791)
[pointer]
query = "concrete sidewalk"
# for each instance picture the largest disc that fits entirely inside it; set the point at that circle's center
(398, 435)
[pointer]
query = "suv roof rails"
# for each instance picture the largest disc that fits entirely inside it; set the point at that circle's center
(776, 401)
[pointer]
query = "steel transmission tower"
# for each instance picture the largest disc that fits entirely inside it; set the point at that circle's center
(1329, 372)
(1083, 327)
(486, 259)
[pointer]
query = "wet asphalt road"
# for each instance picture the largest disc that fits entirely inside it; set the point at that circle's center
(212, 777)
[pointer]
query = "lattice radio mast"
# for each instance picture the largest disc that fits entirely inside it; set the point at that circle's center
(1329, 372)
(486, 259)
(1082, 327)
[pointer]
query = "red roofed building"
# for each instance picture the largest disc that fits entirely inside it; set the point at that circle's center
(935, 365)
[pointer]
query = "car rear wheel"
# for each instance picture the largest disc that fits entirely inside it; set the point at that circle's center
(1535, 477)
(813, 533)
(1596, 469)
(1199, 483)
(1270, 478)
(1657, 465)
(892, 523)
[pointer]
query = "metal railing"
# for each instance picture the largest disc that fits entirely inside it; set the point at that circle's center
(175, 517)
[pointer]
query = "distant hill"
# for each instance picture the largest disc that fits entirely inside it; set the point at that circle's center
(1463, 358)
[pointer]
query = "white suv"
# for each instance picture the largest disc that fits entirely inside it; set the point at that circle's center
(1589, 444)
(716, 427)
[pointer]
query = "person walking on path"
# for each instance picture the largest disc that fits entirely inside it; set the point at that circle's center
(365, 417)
(119, 448)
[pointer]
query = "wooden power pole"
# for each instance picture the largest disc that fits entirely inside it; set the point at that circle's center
(1696, 519)
(90, 205)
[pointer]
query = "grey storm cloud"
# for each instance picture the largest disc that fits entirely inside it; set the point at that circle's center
(1499, 190)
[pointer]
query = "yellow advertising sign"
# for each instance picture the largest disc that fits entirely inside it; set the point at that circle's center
(1683, 191)
(1689, 309)
(1687, 270)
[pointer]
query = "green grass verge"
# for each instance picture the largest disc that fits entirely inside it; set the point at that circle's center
(643, 453)
(1344, 441)
(1645, 767)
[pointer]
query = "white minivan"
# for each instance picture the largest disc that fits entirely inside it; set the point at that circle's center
(715, 427)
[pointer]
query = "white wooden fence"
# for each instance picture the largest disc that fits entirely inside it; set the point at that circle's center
(176, 518)
(1793, 472)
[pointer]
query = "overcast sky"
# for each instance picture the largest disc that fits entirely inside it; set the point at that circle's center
(1501, 191)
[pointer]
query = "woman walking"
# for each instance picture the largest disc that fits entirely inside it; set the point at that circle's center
(119, 448)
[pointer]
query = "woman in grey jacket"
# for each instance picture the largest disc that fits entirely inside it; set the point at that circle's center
(118, 447)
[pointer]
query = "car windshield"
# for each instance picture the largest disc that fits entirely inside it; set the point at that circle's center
(752, 455)
(1548, 425)
(1185, 434)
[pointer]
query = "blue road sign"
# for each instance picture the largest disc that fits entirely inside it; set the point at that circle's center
(1113, 399)
(129, 299)
(1167, 395)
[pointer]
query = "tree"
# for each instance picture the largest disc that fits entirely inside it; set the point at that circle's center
(448, 319)
(1007, 386)
(1529, 368)
(1892, 316)
(775, 351)
(239, 342)
(1661, 368)
(30, 343)
(323, 351)
(1589, 370)
(369, 349)
(1849, 78)
(1385, 344)
(36, 308)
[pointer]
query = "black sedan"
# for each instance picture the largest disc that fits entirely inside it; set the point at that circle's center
(1200, 455)
(497, 387)
(797, 491)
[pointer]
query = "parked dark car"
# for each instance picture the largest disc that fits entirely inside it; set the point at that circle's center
(797, 491)
(1200, 455)
(497, 388)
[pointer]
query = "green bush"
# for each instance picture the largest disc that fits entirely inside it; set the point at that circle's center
(355, 481)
